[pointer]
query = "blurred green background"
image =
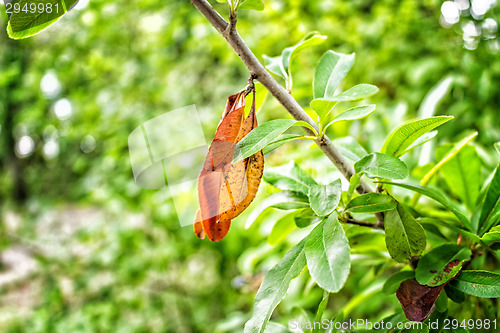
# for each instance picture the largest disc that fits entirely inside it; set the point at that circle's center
(84, 249)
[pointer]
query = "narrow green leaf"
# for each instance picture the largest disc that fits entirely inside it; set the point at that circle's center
(350, 148)
(282, 228)
(327, 254)
(371, 203)
(280, 141)
(331, 70)
(305, 217)
(392, 283)
(434, 97)
(436, 195)
(404, 236)
(289, 177)
(262, 135)
(274, 288)
(420, 141)
(298, 200)
(356, 93)
(497, 146)
(382, 166)
(478, 283)
(321, 309)
(403, 136)
(462, 173)
(275, 66)
(26, 24)
(354, 113)
(491, 204)
(492, 236)
(252, 4)
(325, 198)
(441, 264)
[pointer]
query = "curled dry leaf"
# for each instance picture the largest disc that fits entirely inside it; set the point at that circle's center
(416, 299)
(225, 190)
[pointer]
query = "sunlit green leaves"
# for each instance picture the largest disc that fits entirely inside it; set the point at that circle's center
(382, 166)
(252, 4)
(371, 203)
(274, 288)
(491, 204)
(492, 236)
(281, 65)
(439, 197)
(327, 254)
(331, 70)
(262, 135)
(404, 236)
(289, 177)
(281, 229)
(441, 264)
(325, 198)
(478, 283)
(35, 16)
(403, 136)
(354, 113)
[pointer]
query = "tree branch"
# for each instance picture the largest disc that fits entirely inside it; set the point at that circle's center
(364, 224)
(284, 98)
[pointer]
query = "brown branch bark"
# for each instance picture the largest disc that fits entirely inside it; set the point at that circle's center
(258, 71)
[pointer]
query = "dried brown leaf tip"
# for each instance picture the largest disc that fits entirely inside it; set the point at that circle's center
(416, 299)
(225, 190)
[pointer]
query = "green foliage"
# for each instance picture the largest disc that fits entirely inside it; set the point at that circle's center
(404, 236)
(478, 283)
(371, 203)
(491, 205)
(441, 264)
(393, 282)
(325, 198)
(327, 254)
(382, 166)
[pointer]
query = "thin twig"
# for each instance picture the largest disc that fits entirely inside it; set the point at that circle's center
(364, 224)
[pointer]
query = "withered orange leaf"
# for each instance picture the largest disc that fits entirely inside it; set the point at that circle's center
(225, 190)
(416, 299)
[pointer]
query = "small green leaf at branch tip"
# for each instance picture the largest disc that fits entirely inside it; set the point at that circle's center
(382, 166)
(354, 113)
(263, 135)
(441, 264)
(325, 198)
(252, 4)
(403, 136)
(371, 203)
(327, 254)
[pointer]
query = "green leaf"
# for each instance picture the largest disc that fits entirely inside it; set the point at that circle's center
(392, 283)
(26, 24)
(403, 136)
(382, 166)
(404, 236)
(436, 195)
(305, 217)
(331, 70)
(327, 254)
(371, 203)
(350, 148)
(420, 141)
(325, 198)
(492, 236)
(281, 65)
(289, 177)
(478, 283)
(294, 199)
(282, 228)
(462, 173)
(441, 264)
(497, 146)
(321, 309)
(280, 141)
(491, 204)
(354, 113)
(262, 135)
(274, 288)
(252, 4)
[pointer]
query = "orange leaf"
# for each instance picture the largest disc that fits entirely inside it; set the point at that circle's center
(225, 190)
